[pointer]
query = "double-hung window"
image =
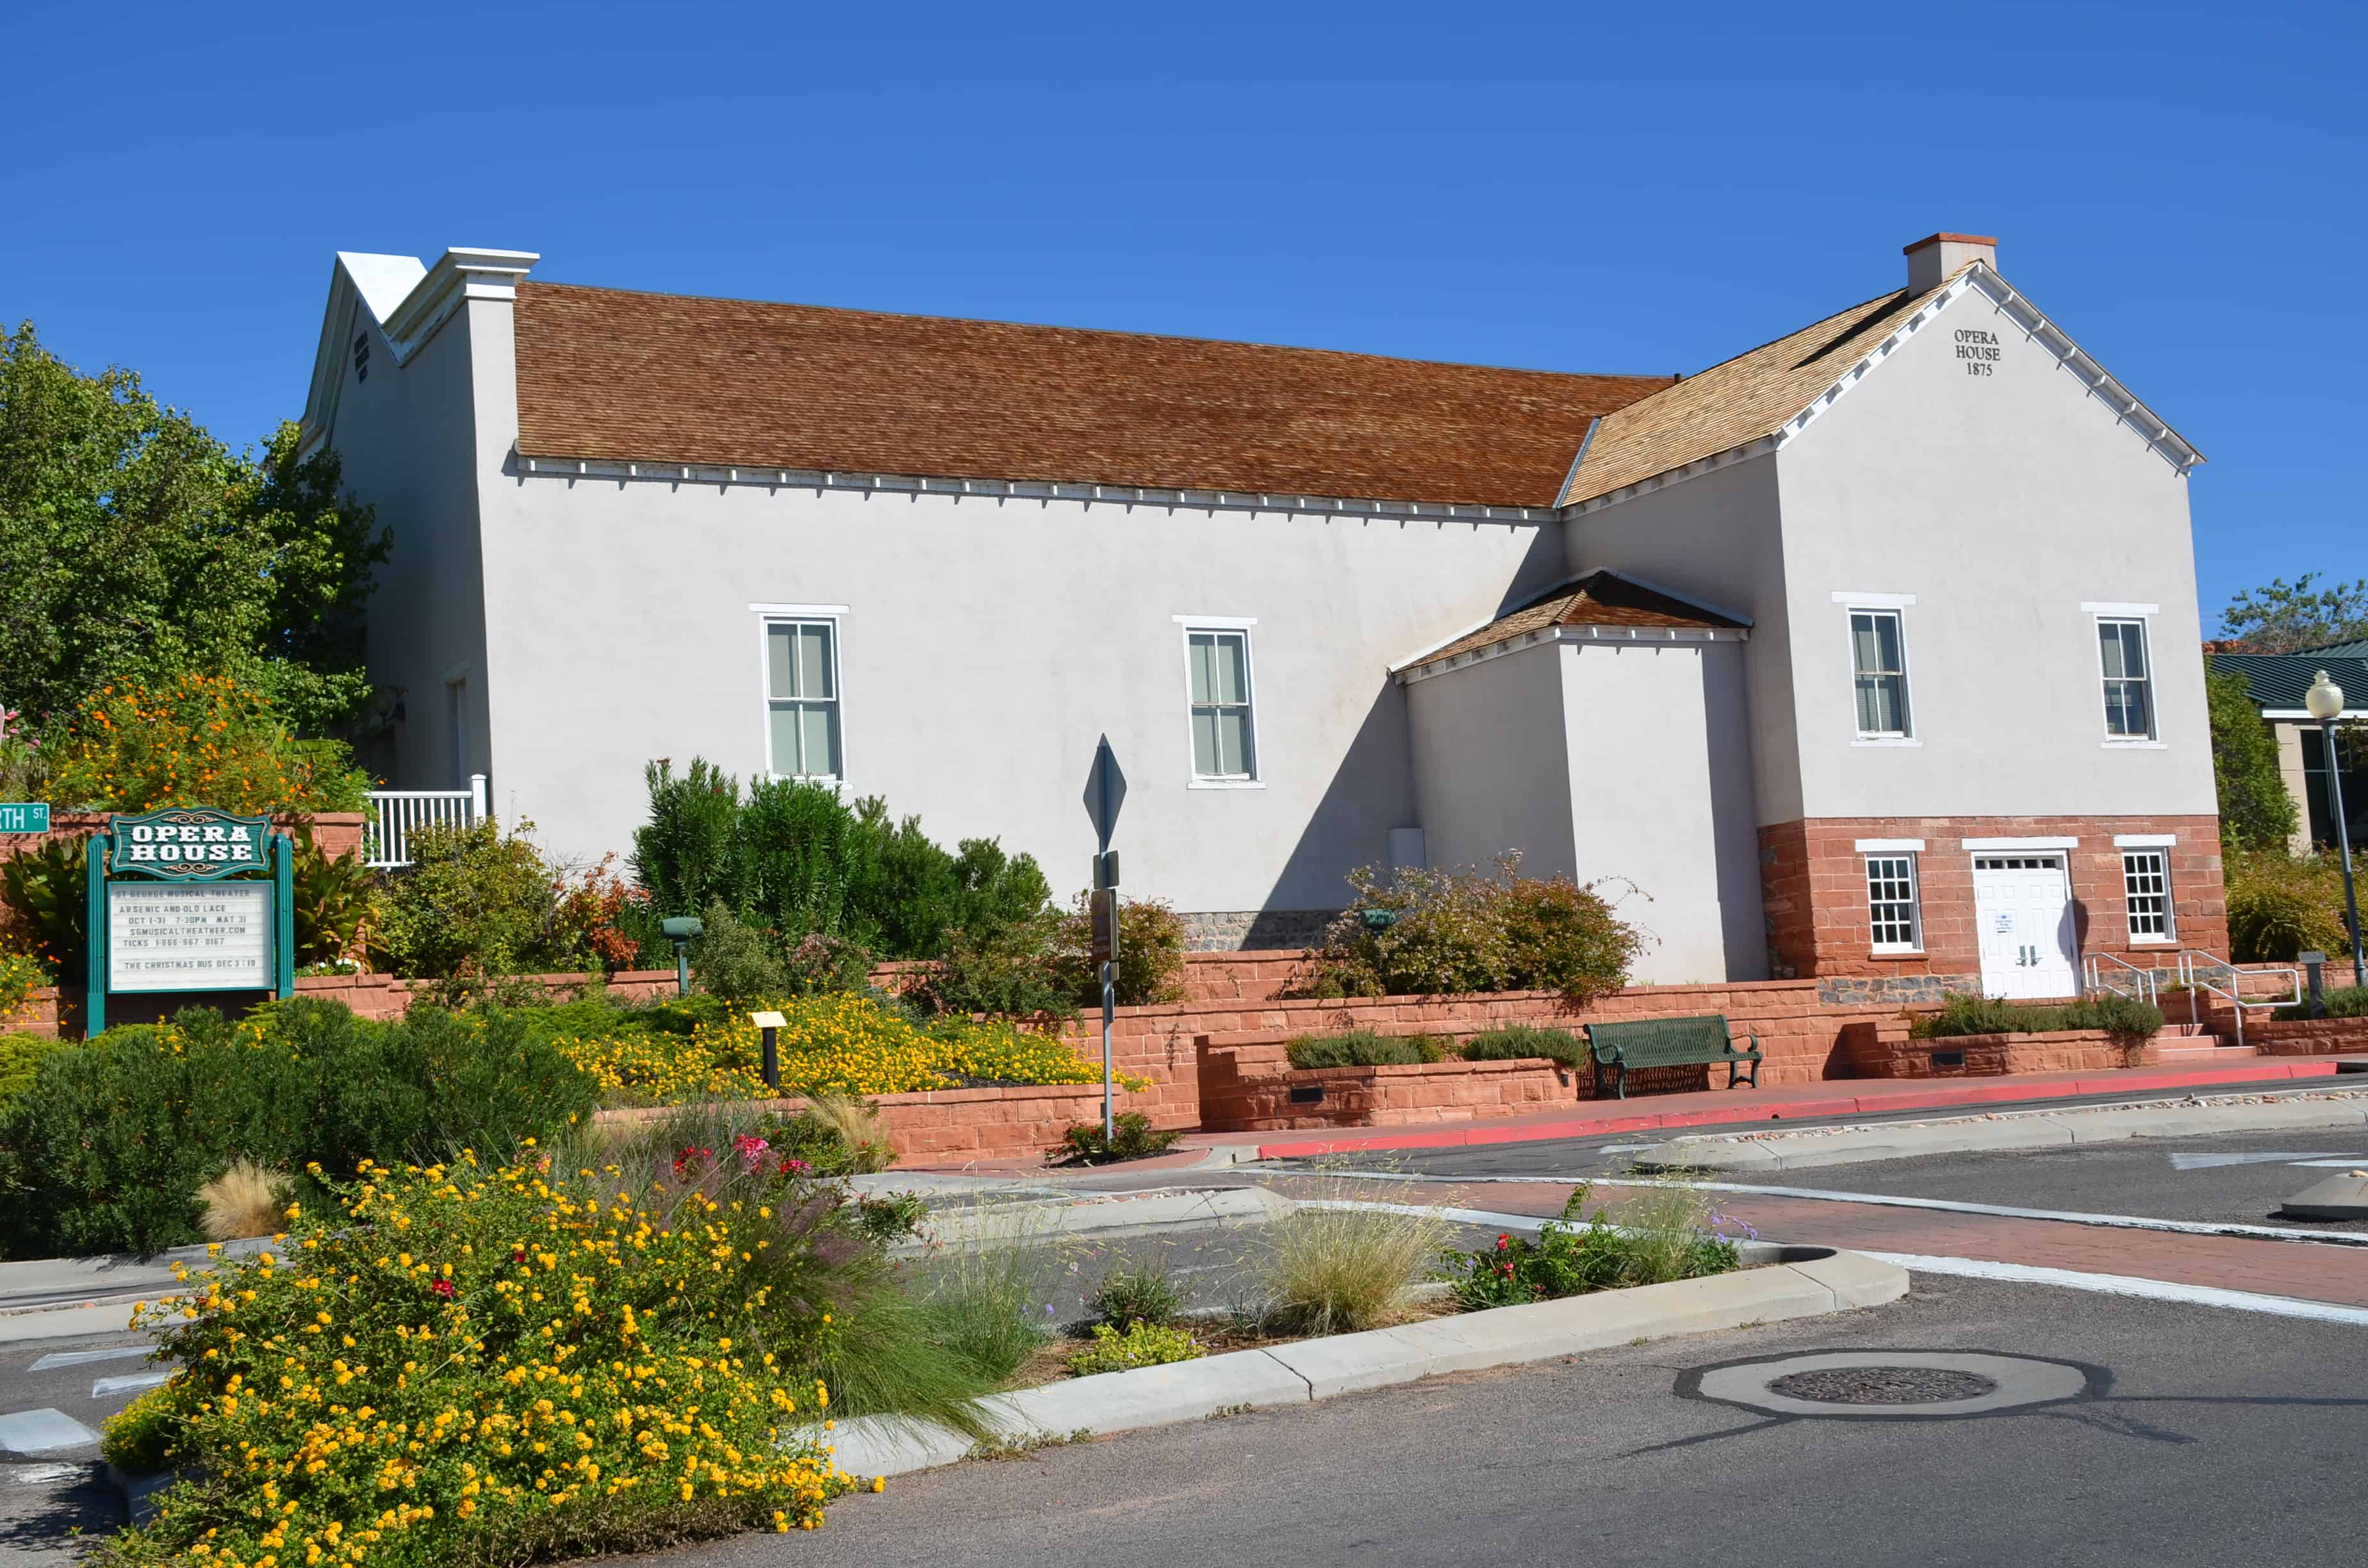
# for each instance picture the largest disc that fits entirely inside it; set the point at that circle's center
(1892, 925)
(2146, 881)
(1879, 666)
(2129, 680)
(1217, 670)
(802, 698)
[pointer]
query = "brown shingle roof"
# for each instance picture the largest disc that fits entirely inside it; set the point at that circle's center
(605, 374)
(1600, 599)
(1749, 396)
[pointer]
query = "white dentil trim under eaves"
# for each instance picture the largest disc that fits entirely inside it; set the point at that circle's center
(1617, 636)
(728, 475)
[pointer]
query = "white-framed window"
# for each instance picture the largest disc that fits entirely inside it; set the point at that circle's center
(1219, 699)
(1893, 923)
(2145, 879)
(2128, 677)
(1879, 671)
(802, 731)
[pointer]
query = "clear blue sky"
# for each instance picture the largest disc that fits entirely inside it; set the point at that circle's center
(1576, 187)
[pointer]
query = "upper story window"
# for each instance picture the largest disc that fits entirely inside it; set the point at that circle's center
(802, 698)
(1879, 665)
(1224, 736)
(2129, 680)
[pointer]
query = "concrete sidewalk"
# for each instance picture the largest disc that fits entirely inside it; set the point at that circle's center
(1712, 1108)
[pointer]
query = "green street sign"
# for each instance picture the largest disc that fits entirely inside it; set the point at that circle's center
(23, 816)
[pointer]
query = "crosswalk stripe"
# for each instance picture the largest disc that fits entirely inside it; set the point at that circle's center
(104, 1387)
(57, 1359)
(42, 1431)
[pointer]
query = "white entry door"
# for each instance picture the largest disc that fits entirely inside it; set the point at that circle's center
(2022, 904)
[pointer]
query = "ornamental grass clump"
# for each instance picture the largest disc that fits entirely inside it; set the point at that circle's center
(1525, 1042)
(471, 1365)
(1362, 1048)
(1343, 1263)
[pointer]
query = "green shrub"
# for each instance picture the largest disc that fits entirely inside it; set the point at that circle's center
(475, 905)
(1363, 1047)
(1135, 1292)
(1525, 1042)
(791, 856)
(2255, 812)
(20, 1058)
(2280, 906)
(1443, 933)
(1131, 1138)
(2346, 1002)
(1010, 969)
(113, 1140)
(197, 740)
(1670, 1233)
(138, 1439)
(1150, 953)
(2122, 1016)
(736, 961)
(1143, 1345)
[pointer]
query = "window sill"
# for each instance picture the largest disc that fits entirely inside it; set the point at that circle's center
(1886, 741)
(2154, 941)
(1895, 953)
(2136, 745)
(1227, 784)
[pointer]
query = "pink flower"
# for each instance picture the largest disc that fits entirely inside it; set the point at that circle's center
(794, 1167)
(751, 1149)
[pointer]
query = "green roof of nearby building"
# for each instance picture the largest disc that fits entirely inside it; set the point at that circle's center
(2355, 649)
(2278, 681)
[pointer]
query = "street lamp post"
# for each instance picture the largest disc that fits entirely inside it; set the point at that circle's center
(2325, 701)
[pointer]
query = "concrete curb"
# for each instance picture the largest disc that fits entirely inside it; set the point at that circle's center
(2060, 1130)
(1816, 1281)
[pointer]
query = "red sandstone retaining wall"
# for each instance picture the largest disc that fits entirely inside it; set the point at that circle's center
(1252, 1088)
(2307, 1037)
(947, 1126)
(1883, 1048)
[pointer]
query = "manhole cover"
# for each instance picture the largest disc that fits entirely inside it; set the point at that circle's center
(1882, 1385)
(1897, 1385)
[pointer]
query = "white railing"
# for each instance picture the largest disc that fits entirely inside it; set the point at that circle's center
(2193, 966)
(2138, 984)
(396, 814)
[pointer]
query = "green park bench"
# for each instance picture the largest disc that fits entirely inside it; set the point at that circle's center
(1668, 1042)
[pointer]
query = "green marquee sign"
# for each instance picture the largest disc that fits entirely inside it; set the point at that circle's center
(190, 899)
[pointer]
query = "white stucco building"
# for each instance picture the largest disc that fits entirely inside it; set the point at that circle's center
(1870, 653)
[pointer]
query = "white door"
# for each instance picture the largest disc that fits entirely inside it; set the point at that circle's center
(2022, 904)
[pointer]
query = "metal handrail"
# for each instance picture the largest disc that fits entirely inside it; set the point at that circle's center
(2142, 989)
(2234, 992)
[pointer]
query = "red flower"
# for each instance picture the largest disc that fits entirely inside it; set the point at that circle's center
(1503, 1240)
(443, 1288)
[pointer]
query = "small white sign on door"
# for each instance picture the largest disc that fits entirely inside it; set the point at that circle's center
(188, 937)
(2004, 923)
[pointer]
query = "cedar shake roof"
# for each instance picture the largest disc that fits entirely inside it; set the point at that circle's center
(1600, 599)
(604, 374)
(1749, 396)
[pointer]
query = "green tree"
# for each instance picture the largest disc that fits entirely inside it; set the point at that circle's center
(2285, 615)
(133, 545)
(2255, 812)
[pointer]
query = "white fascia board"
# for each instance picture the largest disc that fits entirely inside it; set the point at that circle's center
(2145, 840)
(1995, 845)
(406, 300)
(2308, 717)
(460, 274)
(1889, 847)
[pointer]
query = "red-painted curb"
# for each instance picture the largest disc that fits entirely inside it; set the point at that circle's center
(1474, 1134)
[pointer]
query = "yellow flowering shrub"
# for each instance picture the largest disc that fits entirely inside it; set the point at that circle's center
(835, 1042)
(473, 1366)
(197, 740)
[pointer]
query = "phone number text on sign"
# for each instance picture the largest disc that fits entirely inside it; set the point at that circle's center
(213, 936)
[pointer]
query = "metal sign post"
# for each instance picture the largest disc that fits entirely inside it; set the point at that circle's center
(165, 915)
(1105, 792)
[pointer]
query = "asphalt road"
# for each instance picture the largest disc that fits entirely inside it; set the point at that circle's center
(2218, 1438)
(2241, 1177)
(47, 1498)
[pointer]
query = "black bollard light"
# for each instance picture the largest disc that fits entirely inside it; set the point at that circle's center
(769, 1030)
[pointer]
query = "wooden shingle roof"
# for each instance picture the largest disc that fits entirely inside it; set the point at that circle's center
(1600, 599)
(1747, 397)
(610, 375)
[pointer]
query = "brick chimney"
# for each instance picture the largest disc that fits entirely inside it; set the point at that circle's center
(1933, 260)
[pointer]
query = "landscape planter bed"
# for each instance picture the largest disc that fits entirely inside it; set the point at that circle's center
(2306, 1037)
(1013, 1122)
(1884, 1049)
